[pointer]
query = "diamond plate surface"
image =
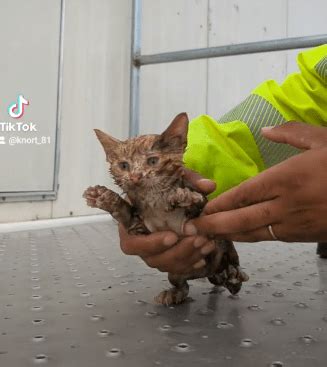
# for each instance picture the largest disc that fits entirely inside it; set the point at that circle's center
(69, 297)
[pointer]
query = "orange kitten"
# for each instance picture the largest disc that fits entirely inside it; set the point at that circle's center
(149, 170)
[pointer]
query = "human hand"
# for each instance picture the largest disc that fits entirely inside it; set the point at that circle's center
(290, 196)
(162, 250)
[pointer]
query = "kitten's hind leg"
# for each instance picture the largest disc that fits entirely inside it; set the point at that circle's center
(218, 262)
(227, 277)
(235, 274)
(175, 295)
(228, 271)
(217, 279)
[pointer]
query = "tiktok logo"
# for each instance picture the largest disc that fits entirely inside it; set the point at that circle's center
(16, 110)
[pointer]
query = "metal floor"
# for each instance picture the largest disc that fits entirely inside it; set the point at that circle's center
(69, 297)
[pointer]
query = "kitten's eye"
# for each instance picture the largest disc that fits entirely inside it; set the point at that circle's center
(124, 166)
(152, 161)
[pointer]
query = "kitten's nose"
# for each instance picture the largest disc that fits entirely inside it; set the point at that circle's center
(135, 177)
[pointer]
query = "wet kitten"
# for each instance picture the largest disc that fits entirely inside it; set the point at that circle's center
(149, 169)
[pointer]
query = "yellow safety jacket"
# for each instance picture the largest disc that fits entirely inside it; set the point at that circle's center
(231, 150)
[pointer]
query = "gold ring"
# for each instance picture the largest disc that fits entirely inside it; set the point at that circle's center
(272, 233)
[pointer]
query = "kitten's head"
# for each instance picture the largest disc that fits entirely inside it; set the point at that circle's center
(146, 161)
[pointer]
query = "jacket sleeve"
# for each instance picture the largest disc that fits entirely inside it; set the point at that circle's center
(232, 149)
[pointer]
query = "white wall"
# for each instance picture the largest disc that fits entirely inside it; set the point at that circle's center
(231, 79)
(29, 66)
(96, 75)
(95, 94)
(214, 86)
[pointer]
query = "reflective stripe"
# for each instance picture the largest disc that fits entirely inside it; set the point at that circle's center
(321, 69)
(257, 112)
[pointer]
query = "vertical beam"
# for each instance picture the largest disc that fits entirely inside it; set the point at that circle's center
(134, 97)
(59, 97)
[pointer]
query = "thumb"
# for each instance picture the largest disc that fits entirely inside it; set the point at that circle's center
(297, 134)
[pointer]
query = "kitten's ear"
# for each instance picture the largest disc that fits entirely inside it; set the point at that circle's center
(108, 143)
(175, 136)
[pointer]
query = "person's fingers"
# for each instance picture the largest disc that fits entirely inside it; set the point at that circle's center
(301, 226)
(257, 235)
(297, 134)
(180, 258)
(198, 182)
(291, 229)
(174, 266)
(252, 191)
(146, 245)
(234, 221)
(283, 232)
(289, 232)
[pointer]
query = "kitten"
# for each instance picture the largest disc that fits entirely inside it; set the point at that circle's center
(149, 170)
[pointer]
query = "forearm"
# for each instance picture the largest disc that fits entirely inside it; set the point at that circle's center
(233, 149)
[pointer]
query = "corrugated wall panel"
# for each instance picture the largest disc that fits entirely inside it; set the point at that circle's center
(95, 95)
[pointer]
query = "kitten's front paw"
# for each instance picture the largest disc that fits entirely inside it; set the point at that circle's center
(197, 198)
(108, 197)
(92, 193)
(184, 198)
